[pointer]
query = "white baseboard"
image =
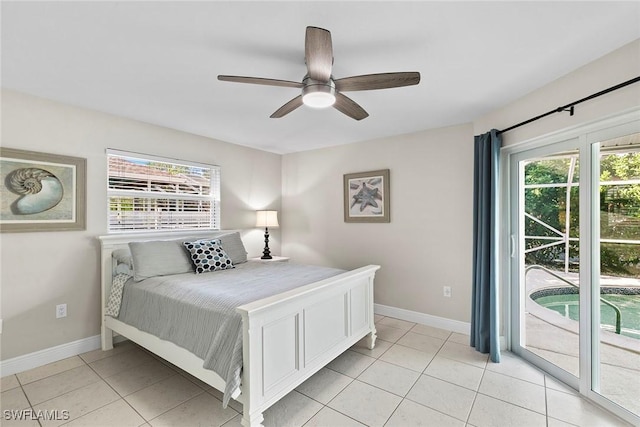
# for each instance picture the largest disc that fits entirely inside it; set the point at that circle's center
(50, 355)
(422, 318)
(53, 354)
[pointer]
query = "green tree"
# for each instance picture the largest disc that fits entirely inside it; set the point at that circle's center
(547, 204)
(619, 211)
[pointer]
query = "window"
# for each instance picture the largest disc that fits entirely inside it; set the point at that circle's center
(152, 193)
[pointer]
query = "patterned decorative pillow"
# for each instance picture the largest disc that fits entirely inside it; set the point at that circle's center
(208, 255)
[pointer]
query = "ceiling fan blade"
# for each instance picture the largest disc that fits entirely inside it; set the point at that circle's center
(288, 107)
(318, 53)
(349, 107)
(260, 81)
(377, 81)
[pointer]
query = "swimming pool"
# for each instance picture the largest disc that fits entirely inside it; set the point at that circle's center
(565, 301)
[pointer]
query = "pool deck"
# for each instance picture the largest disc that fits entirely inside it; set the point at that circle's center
(555, 338)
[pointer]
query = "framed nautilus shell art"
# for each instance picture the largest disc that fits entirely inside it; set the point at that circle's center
(366, 196)
(41, 192)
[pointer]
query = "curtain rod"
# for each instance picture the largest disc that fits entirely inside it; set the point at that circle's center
(569, 107)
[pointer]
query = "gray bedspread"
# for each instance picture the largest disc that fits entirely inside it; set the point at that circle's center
(197, 311)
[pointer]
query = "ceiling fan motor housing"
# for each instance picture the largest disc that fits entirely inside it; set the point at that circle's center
(318, 94)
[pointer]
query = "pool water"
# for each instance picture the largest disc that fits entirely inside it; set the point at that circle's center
(567, 305)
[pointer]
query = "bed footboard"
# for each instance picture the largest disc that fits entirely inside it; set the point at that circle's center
(289, 337)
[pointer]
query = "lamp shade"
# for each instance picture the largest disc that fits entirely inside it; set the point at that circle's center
(266, 218)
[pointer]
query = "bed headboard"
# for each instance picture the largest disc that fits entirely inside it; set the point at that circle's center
(110, 243)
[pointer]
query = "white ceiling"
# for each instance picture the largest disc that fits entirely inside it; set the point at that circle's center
(157, 61)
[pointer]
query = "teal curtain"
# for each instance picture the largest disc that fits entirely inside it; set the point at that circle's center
(485, 336)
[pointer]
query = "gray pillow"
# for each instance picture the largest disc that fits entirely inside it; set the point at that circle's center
(165, 257)
(123, 256)
(159, 258)
(233, 246)
(124, 264)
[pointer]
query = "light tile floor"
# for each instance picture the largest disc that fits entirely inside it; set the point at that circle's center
(416, 376)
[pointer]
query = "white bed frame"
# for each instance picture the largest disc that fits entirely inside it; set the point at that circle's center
(286, 338)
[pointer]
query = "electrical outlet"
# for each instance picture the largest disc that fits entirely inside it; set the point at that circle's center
(446, 291)
(61, 311)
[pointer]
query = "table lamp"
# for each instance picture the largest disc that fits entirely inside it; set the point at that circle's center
(266, 219)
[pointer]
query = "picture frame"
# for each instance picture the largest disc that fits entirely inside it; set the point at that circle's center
(41, 192)
(366, 196)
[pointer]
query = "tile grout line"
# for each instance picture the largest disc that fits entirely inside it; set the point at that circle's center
(148, 385)
(330, 400)
(414, 383)
(66, 392)
(423, 373)
(505, 401)
(485, 369)
(371, 385)
(31, 406)
(50, 375)
(516, 378)
(108, 385)
(432, 409)
(511, 403)
(315, 413)
(354, 379)
(475, 396)
(181, 403)
(101, 378)
(406, 394)
(27, 397)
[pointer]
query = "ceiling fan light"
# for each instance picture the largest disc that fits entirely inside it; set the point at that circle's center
(317, 94)
(318, 99)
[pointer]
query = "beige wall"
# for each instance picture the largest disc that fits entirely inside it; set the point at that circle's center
(426, 246)
(428, 243)
(616, 67)
(40, 270)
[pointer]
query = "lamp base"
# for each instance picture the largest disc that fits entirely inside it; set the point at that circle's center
(266, 253)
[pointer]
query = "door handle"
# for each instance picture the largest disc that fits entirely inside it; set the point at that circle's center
(513, 246)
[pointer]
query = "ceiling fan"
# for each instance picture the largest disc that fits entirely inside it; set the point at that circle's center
(319, 88)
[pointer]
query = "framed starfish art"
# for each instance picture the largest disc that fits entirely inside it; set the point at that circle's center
(366, 196)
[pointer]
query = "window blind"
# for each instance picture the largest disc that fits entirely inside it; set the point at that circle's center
(153, 193)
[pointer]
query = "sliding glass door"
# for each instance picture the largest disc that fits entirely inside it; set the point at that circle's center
(546, 230)
(574, 257)
(617, 353)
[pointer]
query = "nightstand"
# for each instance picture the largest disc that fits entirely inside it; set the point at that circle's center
(273, 259)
